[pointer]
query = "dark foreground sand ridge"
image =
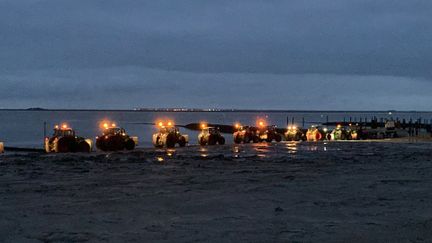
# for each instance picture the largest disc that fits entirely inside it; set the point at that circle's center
(332, 192)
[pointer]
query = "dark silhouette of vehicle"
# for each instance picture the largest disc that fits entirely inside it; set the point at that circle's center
(355, 132)
(210, 136)
(245, 134)
(115, 138)
(294, 133)
(168, 136)
(64, 140)
(388, 131)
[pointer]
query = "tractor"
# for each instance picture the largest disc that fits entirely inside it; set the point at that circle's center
(168, 136)
(268, 133)
(115, 138)
(339, 133)
(316, 133)
(245, 134)
(64, 140)
(294, 133)
(210, 136)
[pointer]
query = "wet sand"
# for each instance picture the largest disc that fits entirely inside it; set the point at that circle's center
(287, 192)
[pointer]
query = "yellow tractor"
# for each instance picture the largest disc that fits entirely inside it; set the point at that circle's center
(168, 136)
(210, 136)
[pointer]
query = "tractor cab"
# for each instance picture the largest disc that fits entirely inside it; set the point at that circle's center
(114, 131)
(63, 131)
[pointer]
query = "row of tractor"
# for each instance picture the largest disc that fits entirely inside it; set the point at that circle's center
(261, 133)
(114, 138)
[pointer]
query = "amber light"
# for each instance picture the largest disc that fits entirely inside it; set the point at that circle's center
(106, 124)
(203, 125)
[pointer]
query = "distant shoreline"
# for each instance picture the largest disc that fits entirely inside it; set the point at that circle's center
(186, 110)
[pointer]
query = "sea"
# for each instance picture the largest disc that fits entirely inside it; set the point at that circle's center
(27, 128)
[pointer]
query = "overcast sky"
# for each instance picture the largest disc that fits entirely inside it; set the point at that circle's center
(316, 54)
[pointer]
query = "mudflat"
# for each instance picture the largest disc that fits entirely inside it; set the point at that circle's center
(295, 192)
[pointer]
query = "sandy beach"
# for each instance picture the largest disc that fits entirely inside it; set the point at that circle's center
(287, 192)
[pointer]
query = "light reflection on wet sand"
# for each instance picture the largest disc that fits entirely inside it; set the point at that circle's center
(259, 150)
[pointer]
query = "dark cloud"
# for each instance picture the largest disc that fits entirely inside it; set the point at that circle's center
(60, 46)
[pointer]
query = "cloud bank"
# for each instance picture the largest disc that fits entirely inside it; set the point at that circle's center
(197, 53)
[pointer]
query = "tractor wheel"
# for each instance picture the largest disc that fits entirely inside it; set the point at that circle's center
(303, 137)
(221, 140)
(158, 143)
(182, 141)
(115, 143)
(129, 144)
(343, 136)
(84, 147)
(66, 145)
(171, 141)
(100, 144)
(318, 136)
(278, 138)
(212, 140)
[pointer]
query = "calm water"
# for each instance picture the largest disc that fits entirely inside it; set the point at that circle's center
(25, 128)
